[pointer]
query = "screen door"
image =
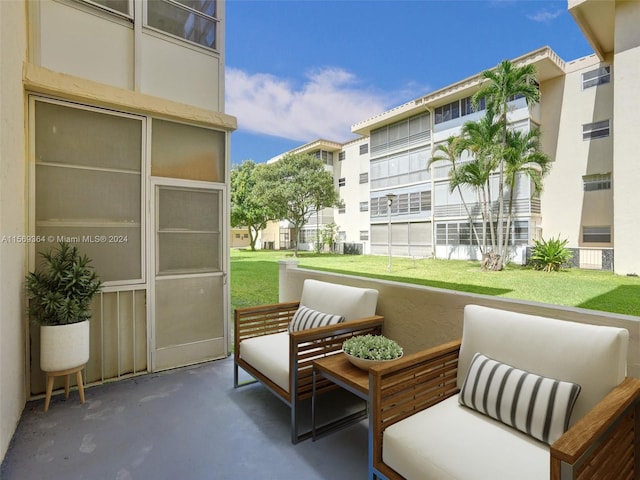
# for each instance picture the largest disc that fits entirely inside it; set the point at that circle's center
(189, 278)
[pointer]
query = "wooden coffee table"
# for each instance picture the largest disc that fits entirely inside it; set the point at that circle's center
(337, 369)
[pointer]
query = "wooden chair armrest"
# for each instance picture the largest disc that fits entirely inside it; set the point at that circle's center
(408, 385)
(262, 320)
(307, 345)
(589, 429)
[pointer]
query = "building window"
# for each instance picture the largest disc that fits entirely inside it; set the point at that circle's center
(237, 235)
(326, 157)
(341, 156)
(190, 20)
(447, 112)
(364, 206)
(364, 177)
(364, 149)
(596, 182)
(119, 6)
(596, 234)
(342, 182)
(596, 77)
(364, 235)
(342, 210)
(591, 131)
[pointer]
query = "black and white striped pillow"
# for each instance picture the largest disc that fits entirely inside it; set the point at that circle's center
(538, 406)
(306, 318)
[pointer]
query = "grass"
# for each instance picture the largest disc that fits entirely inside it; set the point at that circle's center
(254, 279)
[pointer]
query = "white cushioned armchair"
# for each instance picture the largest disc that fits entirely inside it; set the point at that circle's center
(420, 429)
(282, 359)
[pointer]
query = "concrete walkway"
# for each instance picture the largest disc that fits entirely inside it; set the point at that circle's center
(188, 423)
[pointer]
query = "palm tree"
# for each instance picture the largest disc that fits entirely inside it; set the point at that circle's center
(503, 84)
(481, 139)
(523, 157)
(450, 151)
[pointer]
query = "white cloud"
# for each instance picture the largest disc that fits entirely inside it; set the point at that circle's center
(545, 16)
(325, 106)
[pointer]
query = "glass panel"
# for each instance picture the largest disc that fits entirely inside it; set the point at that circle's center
(185, 151)
(115, 252)
(121, 6)
(72, 136)
(188, 231)
(188, 210)
(89, 192)
(184, 23)
(188, 253)
(188, 310)
(92, 196)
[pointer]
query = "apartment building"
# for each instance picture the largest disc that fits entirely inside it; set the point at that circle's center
(114, 138)
(590, 196)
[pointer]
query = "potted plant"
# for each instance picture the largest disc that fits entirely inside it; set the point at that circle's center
(365, 351)
(60, 292)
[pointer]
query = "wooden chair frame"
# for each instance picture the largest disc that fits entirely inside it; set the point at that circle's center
(304, 347)
(602, 444)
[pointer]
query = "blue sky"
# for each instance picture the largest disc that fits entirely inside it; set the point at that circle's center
(299, 70)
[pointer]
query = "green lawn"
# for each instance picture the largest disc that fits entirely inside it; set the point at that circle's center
(254, 279)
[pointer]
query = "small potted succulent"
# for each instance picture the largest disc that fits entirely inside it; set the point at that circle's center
(60, 293)
(365, 351)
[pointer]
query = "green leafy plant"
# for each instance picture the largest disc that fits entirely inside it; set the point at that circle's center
(550, 255)
(62, 288)
(372, 347)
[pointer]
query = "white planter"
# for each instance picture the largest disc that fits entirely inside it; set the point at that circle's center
(64, 346)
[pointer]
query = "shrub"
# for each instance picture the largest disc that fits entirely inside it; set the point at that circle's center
(550, 255)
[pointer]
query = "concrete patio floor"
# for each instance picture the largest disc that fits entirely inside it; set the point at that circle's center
(188, 423)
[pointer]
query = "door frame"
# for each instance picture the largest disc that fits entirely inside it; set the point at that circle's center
(155, 182)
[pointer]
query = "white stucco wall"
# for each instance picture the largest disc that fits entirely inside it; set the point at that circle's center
(626, 173)
(565, 107)
(13, 45)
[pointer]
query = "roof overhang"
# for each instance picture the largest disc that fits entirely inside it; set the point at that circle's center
(596, 19)
(548, 65)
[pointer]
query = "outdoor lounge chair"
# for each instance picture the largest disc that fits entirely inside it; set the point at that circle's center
(282, 360)
(420, 430)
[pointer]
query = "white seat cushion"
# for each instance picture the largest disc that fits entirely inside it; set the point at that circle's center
(269, 354)
(449, 441)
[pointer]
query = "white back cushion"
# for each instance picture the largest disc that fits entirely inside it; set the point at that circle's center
(594, 357)
(350, 302)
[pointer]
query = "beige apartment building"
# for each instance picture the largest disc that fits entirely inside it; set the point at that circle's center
(114, 137)
(589, 123)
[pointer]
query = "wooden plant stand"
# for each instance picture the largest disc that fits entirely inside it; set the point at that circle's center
(51, 377)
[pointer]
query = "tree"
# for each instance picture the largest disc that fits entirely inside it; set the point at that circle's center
(450, 151)
(502, 85)
(295, 187)
(523, 157)
(248, 209)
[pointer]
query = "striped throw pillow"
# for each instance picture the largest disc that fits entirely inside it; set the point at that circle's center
(306, 318)
(538, 406)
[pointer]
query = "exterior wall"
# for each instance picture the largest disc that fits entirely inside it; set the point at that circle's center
(400, 152)
(67, 36)
(76, 53)
(626, 172)
(448, 206)
(240, 238)
(574, 157)
(13, 45)
(353, 221)
(422, 317)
